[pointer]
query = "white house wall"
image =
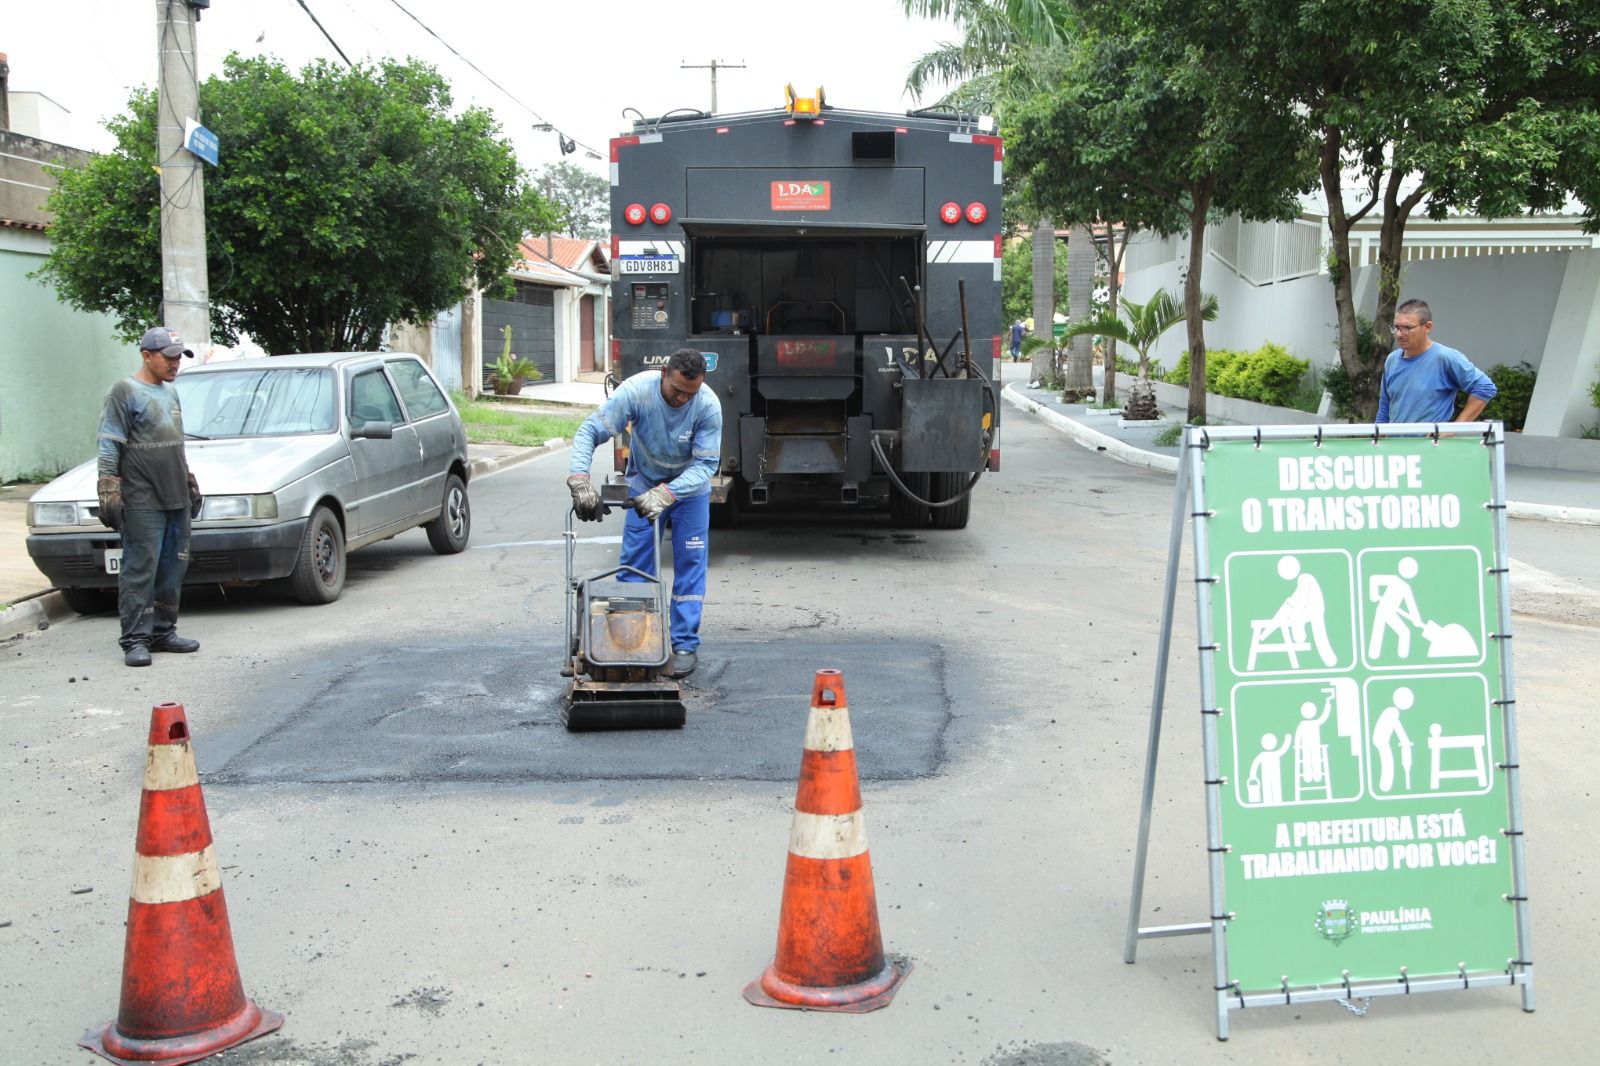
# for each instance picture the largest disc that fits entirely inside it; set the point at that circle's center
(1542, 308)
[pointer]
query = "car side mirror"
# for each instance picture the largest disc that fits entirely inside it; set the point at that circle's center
(372, 431)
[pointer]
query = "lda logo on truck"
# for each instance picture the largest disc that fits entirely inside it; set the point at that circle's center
(802, 196)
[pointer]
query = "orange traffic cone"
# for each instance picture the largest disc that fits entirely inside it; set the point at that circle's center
(181, 996)
(830, 952)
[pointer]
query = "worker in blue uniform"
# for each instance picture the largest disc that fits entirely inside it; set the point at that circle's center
(675, 447)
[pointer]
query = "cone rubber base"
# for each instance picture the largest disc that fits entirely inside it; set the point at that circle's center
(770, 990)
(181, 1049)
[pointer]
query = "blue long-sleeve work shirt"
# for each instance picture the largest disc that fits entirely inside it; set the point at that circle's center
(679, 447)
(1423, 388)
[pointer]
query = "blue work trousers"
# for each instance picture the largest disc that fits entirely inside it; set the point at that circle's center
(688, 524)
(155, 555)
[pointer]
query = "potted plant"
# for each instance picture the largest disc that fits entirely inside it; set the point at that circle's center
(507, 373)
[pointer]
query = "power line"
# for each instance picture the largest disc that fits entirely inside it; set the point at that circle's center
(326, 34)
(542, 121)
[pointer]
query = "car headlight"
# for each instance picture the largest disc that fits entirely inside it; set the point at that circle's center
(52, 514)
(264, 505)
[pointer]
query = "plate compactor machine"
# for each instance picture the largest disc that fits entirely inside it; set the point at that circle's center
(618, 641)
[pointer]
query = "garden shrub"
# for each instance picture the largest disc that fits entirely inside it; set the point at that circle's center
(1130, 367)
(1268, 375)
(1510, 403)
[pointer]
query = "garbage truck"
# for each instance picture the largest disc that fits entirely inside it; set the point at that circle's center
(840, 270)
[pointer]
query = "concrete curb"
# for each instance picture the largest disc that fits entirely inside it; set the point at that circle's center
(47, 608)
(1549, 512)
(1093, 439)
(1124, 452)
(485, 465)
(33, 614)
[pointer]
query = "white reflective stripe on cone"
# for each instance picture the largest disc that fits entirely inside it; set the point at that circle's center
(169, 766)
(174, 878)
(827, 836)
(828, 729)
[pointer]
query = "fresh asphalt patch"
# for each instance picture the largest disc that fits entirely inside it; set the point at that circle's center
(484, 712)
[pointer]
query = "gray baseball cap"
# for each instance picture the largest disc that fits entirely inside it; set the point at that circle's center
(163, 340)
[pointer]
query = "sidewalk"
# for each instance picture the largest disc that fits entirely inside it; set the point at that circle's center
(1533, 492)
(27, 601)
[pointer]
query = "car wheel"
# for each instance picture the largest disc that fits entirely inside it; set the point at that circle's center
(318, 575)
(90, 601)
(448, 533)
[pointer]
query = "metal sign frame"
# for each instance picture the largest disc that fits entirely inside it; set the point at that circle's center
(1191, 487)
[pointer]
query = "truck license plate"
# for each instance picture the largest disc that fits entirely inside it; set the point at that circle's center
(648, 264)
(113, 560)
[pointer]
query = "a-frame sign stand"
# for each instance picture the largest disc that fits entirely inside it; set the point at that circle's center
(1374, 463)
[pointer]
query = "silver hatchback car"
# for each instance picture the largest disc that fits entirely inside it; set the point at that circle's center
(302, 458)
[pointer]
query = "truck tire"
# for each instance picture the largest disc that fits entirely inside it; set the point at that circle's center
(945, 486)
(904, 512)
(448, 533)
(318, 575)
(90, 601)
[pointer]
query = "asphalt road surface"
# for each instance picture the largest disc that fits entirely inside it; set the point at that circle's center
(422, 866)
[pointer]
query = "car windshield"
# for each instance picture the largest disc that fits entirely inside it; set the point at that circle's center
(257, 402)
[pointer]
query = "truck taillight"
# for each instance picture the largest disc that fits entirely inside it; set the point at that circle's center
(950, 213)
(660, 214)
(634, 214)
(976, 212)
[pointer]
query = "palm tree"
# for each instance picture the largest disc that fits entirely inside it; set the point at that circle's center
(1007, 51)
(1145, 324)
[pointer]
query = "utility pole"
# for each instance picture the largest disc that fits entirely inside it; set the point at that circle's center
(185, 300)
(713, 67)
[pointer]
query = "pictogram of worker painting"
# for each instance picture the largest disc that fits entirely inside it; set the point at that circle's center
(1297, 742)
(1421, 607)
(1290, 612)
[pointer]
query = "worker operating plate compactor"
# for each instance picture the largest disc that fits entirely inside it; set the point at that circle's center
(617, 641)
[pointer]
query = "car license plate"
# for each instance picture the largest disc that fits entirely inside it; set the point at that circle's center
(113, 560)
(648, 264)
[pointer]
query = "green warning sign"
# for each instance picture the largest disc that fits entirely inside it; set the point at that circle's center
(1360, 744)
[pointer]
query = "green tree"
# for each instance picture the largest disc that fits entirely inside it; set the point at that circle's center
(1428, 105)
(345, 199)
(1016, 283)
(582, 198)
(1144, 326)
(1008, 50)
(1158, 121)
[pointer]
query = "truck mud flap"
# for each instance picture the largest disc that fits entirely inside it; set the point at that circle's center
(942, 424)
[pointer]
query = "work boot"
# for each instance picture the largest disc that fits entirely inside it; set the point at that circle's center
(681, 664)
(173, 642)
(136, 655)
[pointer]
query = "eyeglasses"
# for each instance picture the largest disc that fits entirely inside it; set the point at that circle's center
(1405, 329)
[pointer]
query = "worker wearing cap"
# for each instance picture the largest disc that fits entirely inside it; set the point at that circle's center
(676, 446)
(147, 493)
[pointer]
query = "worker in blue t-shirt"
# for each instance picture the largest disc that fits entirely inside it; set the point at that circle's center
(1421, 378)
(675, 448)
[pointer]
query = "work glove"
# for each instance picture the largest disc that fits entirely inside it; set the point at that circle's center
(585, 498)
(196, 501)
(109, 489)
(651, 504)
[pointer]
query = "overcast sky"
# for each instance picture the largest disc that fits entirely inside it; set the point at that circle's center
(577, 65)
